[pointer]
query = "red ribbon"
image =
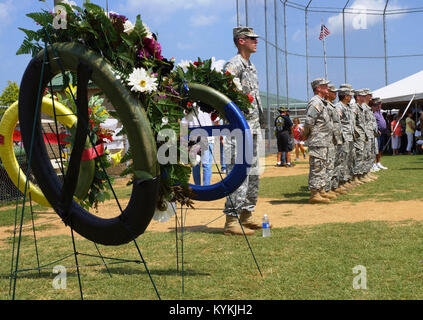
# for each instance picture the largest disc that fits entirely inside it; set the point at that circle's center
(89, 154)
(48, 137)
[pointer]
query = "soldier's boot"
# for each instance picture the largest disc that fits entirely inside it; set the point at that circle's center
(232, 227)
(364, 179)
(248, 220)
(348, 185)
(343, 188)
(340, 190)
(357, 181)
(372, 176)
(316, 197)
(328, 194)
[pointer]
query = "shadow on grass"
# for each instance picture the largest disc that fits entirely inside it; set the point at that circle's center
(141, 271)
(199, 229)
(288, 201)
(136, 269)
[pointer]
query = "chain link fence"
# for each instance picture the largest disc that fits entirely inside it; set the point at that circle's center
(370, 46)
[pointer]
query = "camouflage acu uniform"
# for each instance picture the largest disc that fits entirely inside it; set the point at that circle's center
(245, 197)
(346, 154)
(333, 150)
(369, 145)
(360, 139)
(318, 130)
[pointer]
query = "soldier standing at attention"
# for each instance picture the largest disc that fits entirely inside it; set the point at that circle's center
(346, 151)
(242, 202)
(360, 138)
(318, 132)
(369, 146)
(333, 150)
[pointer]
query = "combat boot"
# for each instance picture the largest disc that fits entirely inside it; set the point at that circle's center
(248, 221)
(364, 179)
(316, 197)
(372, 176)
(232, 227)
(328, 194)
(343, 188)
(357, 181)
(340, 190)
(348, 185)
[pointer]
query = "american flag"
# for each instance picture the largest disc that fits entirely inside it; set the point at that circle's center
(323, 32)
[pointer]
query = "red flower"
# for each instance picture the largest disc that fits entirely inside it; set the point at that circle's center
(189, 104)
(250, 97)
(197, 63)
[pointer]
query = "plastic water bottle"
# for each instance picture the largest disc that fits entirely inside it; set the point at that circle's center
(266, 226)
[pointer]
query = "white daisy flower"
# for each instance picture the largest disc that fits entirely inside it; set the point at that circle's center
(149, 33)
(217, 64)
(184, 64)
(165, 121)
(128, 27)
(141, 81)
(69, 3)
(163, 216)
(238, 84)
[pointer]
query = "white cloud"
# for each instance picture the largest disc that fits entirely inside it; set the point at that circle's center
(200, 20)
(184, 45)
(358, 19)
(6, 12)
(169, 6)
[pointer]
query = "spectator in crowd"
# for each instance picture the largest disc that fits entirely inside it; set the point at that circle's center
(381, 126)
(196, 120)
(419, 139)
(283, 125)
(409, 130)
(299, 144)
(396, 132)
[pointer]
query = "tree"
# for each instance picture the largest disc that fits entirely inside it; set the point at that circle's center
(10, 94)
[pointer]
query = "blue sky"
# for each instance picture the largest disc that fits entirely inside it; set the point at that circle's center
(188, 29)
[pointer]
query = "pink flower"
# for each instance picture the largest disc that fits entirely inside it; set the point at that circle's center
(151, 49)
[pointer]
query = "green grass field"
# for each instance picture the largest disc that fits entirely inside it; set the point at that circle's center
(313, 262)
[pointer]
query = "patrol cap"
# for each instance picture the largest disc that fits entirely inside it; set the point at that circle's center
(244, 31)
(332, 88)
(346, 91)
(376, 100)
(346, 85)
(319, 82)
(367, 91)
(360, 92)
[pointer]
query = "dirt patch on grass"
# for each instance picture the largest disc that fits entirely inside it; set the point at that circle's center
(208, 216)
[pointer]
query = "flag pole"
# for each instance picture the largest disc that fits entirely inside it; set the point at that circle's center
(324, 52)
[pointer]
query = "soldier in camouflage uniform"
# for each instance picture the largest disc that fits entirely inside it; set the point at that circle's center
(318, 132)
(242, 202)
(369, 145)
(346, 152)
(334, 148)
(360, 138)
(374, 132)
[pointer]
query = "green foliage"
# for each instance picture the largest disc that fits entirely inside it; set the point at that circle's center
(100, 187)
(10, 94)
(130, 48)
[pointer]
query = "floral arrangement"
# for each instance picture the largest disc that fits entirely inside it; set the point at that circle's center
(97, 116)
(137, 58)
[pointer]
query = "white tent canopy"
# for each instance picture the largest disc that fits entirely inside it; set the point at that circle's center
(402, 90)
